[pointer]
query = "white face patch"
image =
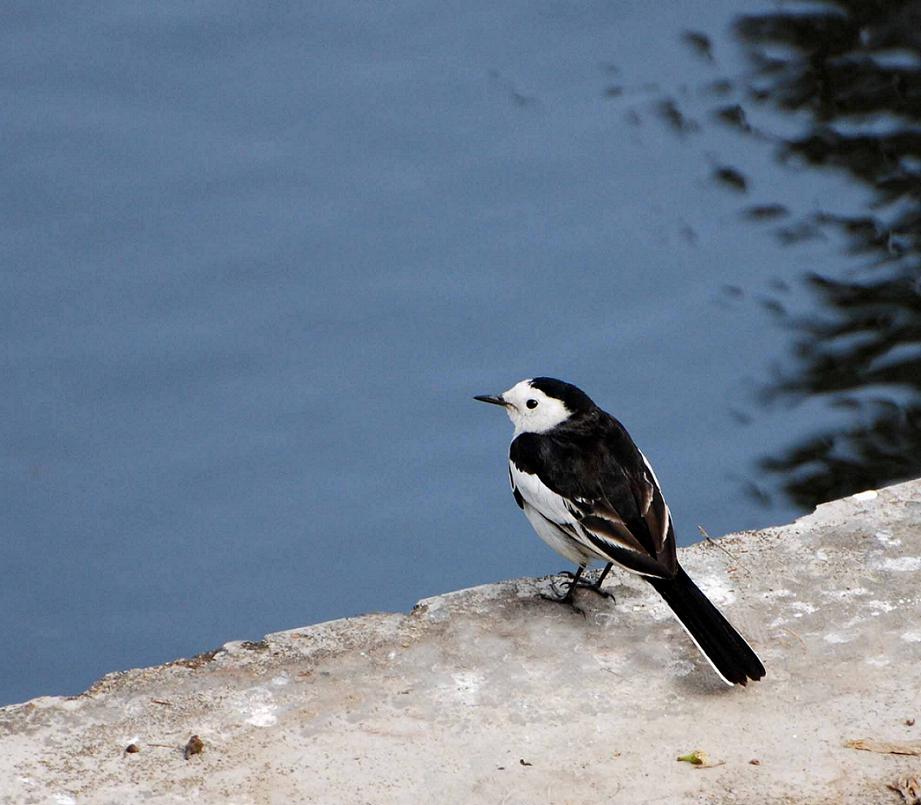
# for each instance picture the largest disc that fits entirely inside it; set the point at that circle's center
(532, 411)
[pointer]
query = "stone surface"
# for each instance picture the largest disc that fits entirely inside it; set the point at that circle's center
(496, 695)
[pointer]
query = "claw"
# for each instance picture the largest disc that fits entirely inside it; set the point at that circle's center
(575, 580)
(559, 596)
(564, 597)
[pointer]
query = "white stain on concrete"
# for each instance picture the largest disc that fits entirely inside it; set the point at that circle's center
(885, 538)
(658, 610)
(878, 662)
(902, 564)
(467, 686)
(837, 637)
(262, 715)
(256, 706)
(778, 594)
(880, 606)
(912, 637)
(869, 494)
(801, 608)
(854, 592)
(681, 667)
(717, 590)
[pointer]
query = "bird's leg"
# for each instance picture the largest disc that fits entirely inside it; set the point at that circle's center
(595, 586)
(567, 597)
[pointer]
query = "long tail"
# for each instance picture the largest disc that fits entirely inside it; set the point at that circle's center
(725, 649)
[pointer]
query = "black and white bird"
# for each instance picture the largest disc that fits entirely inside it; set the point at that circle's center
(590, 494)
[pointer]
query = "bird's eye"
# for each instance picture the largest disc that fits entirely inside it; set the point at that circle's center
(531, 403)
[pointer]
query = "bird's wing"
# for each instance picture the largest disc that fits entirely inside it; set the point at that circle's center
(653, 508)
(604, 489)
(527, 487)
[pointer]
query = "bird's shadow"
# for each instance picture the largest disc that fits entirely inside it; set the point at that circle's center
(593, 611)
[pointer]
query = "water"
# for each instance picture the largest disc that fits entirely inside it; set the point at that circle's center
(257, 262)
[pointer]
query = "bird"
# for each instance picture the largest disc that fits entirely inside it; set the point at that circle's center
(590, 494)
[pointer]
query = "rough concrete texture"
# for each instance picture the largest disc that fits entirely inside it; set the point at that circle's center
(496, 695)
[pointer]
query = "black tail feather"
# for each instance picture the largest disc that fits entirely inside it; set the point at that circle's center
(722, 645)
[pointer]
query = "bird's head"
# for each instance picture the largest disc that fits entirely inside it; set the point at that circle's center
(539, 404)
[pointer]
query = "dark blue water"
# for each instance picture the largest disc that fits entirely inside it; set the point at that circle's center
(258, 260)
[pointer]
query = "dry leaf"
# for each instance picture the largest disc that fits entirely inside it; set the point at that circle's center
(884, 747)
(909, 788)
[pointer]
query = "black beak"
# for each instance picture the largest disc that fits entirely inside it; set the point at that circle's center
(495, 399)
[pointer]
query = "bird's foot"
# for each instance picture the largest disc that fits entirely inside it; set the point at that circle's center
(566, 597)
(576, 581)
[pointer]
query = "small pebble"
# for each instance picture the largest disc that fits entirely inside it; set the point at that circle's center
(195, 746)
(132, 748)
(755, 762)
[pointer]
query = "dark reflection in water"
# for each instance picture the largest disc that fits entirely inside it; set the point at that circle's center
(853, 69)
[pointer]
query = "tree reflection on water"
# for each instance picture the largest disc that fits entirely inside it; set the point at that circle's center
(854, 70)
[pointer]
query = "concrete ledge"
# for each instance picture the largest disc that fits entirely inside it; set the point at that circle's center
(495, 695)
